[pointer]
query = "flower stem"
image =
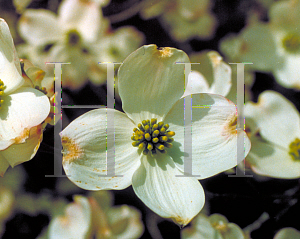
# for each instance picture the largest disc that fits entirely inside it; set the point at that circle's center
(256, 224)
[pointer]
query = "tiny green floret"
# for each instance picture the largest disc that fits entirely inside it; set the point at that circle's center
(155, 140)
(73, 38)
(1, 93)
(295, 150)
(291, 43)
(114, 51)
(152, 137)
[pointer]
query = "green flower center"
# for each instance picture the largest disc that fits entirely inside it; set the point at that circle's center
(73, 38)
(152, 137)
(291, 43)
(295, 149)
(114, 51)
(1, 93)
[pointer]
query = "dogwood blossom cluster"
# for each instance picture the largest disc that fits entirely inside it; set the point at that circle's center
(183, 19)
(85, 218)
(82, 37)
(272, 46)
(214, 226)
(23, 107)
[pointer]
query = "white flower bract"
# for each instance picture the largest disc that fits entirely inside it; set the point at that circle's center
(278, 123)
(22, 111)
(151, 85)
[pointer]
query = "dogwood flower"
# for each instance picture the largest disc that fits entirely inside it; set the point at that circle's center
(118, 44)
(76, 223)
(286, 233)
(215, 76)
(255, 43)
(271, 47)
(22, 108)
(6, 206)
(35, 77)
(212, 75)
(68, 37)
(284, 22)
(115, 46)
(85, 218)
(274, 125)
(184, 19)
(214, 226)
(20, 5)
(149, 137)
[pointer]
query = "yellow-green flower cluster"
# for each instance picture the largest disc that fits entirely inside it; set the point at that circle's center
(151, 136)
(1, 92)
(295, 149)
